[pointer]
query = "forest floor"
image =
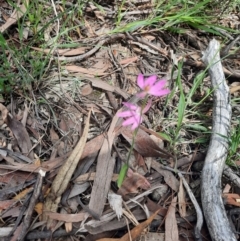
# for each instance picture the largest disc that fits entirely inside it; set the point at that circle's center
(67, 68)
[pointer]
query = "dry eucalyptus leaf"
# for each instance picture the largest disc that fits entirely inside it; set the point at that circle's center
(171, 228)
(21, 135)
(132, 183)
(135, 232)
(182, 200)
(4, 112)
(143, 143)
(86, 90)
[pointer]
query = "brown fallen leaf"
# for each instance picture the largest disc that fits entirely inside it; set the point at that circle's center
(91, 176)
(56, 162)
(17, 233)
(23, 167)
(171, 228)
(21, 135)
(25, 115)
(104, 172)
(143, 143)
(64, 175)
(135, 232)
(6, 204)
(128, 60)
(96, 143)
(23, 193)
(182, 200)
(15, 178)
(63, 52)
(13, 212)
(153, 207)
(234, 89)
(54, 136)
(86, 90)
(232, 199)
(4, 112)
(91, 72)
(66, 217)
(169, 178)
(98, 83)
(132, 183)
(68, 227)
(140, 162)
(18, 13)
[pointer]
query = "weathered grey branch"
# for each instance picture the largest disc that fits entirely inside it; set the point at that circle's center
(198, 227)
(213, 208)
(234, 178)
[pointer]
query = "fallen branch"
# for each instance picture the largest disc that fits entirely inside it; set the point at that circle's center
(27, 219)
(198, 227)
(213, 208)
(234, 178)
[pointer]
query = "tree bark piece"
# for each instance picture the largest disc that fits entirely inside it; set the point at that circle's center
(213, 208)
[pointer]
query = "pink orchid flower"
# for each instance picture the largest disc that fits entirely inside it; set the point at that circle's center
(152, 86)
(134, 114)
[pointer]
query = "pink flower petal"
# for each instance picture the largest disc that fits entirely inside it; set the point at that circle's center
(150, 81)
(156, 92)
(129, 121)
(160, 84)
(125, 113)
(140, 81)
(134, 126)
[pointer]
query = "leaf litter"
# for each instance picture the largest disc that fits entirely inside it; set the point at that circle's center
(82, 159)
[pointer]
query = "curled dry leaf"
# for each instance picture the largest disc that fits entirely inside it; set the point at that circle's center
(132, 183)
(128, 60)
(143, 143)
(54, 136)
(18, 13)
(4, 112)
(182, 200)
(21, 135)
(6, 204)
(171, 229)
(86, 90)
(135, 232)
(63, 52)
(64, 175)
(66, 217)
(104, 171)
(89, 72)
(232, 199)
(169, 178)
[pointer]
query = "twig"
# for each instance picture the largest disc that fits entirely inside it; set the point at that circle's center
(107, 40)
(19, 218)
(87, 209)
(55, 12)
(199, 224)
(49, 234)
(228, 172)
(83, 56)
(34, 198)
(211, 194)
(226, 50)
